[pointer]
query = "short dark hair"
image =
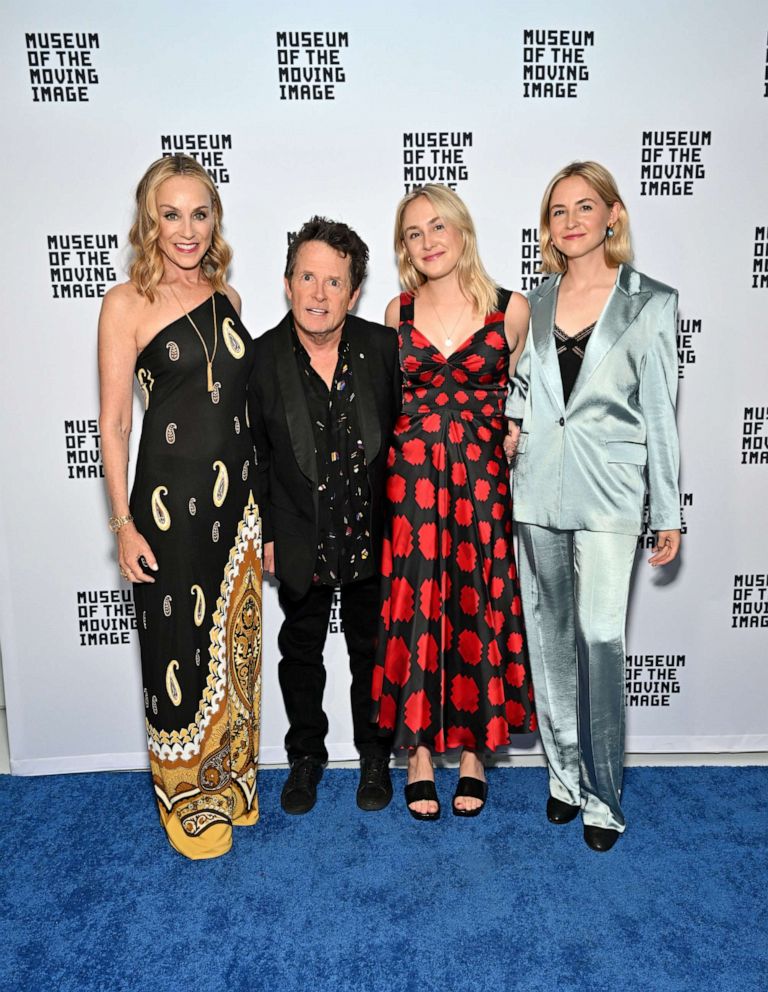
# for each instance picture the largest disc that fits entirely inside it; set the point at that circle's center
(336, 235)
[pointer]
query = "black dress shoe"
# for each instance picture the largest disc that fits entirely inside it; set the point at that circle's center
(560, 812)
(375, 789)
(300, 789)
(600, 838)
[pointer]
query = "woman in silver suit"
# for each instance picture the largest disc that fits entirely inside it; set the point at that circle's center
(592, 428)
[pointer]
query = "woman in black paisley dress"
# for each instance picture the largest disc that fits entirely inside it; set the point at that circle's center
(189, 539)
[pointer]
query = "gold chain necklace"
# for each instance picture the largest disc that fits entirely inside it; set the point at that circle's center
(448, 337)
(208, 358)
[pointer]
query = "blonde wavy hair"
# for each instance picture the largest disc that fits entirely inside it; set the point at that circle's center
(147, 268)
(474, 281)
(617, 249)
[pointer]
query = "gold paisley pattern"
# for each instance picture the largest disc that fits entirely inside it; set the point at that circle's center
(146, 382)
(237, 425)
(232, 339)
(160, 512)
(205, 774)
(221, 485)
(192, 506)
(167, 605)
(172, 686)
(174, 352)
(215, 393)
(199, 614)
(170, 433)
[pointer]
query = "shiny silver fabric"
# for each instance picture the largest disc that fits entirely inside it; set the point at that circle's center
(575, 586)
(584, 465)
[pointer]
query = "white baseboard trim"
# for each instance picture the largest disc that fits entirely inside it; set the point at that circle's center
(663, 747)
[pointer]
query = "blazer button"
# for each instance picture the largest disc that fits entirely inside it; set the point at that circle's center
(562, 421)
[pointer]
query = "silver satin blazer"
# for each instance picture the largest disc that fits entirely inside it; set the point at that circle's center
(587, 465)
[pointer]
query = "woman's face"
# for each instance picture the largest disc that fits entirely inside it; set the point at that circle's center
(578, 217)
(185, 217)
(434, 246)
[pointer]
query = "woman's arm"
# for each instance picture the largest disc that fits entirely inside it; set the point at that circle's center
(658, 394)
(117, 357)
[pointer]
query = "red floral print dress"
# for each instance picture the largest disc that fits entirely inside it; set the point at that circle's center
(452, 669)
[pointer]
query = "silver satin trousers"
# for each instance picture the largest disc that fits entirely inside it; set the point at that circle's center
(575, 587)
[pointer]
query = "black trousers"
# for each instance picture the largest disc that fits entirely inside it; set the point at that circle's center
(302, 673)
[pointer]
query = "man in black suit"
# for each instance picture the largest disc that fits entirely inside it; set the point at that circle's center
(323, 398)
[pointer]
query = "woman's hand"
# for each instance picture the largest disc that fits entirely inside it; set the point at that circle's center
(268, 557)
(511, 439)
(130, 547)
(666, 548)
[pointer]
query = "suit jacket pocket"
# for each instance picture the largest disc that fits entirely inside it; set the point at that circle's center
(627, 452)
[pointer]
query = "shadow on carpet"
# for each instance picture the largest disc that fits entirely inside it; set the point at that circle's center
(93, 898)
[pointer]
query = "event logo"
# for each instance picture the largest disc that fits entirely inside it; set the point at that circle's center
(530, 254)
(207, 149)
(647, 538)
(760, 259)
(105, 617)
(671, 162)
(83, 448)
(750, 601)
(309, 64)
(335, 626)
(651, 680)
(554, 63)
(688, 330)
(61, 69)
(435, 157)
(754, 441)
(81, 266)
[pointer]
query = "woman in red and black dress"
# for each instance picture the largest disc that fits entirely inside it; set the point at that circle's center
(452, 669)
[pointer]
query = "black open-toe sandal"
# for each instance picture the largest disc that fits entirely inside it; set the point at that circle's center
(418, 791)
(470, 788)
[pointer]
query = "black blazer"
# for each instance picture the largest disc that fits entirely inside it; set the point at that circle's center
(286, 467)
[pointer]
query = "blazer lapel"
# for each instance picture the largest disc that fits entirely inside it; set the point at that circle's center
(294, 402)
(542, 329)
(623, 306)
(364, 397)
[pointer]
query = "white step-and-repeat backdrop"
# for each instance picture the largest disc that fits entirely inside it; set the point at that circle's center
(338, 108)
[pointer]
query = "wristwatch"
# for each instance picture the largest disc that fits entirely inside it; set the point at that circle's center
(115, 523)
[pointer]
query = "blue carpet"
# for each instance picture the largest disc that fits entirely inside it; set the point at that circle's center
(93, 898)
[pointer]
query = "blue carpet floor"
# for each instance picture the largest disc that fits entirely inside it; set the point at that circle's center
(93, 898)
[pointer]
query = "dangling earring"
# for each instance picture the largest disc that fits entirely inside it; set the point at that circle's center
(609, 232)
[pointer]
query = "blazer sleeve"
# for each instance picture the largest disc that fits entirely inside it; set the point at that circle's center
(263, 457)
(658, 394)
(518, 387)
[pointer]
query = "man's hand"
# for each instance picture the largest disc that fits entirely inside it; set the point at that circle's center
(268, 557)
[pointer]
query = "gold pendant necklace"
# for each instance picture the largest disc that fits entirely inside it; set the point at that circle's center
(208, 358)
(448, 337)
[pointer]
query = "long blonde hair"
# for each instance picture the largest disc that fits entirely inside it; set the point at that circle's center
(147, 266)
(474, 281)
(618, 248)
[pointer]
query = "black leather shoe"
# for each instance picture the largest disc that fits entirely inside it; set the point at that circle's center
(600, 838)
(300, 789)
(560, 812)
(375, 789)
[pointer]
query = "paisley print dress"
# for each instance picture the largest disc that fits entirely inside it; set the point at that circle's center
(200, 622)
(452, 668)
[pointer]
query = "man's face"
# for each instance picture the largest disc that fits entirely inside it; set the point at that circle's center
(320, 290)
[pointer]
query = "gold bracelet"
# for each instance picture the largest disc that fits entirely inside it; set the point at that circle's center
(115, 523)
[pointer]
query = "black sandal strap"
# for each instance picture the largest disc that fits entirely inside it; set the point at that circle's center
(419, 791)
(471, 788)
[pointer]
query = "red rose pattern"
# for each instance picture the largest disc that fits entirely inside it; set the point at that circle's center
(452, 669)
